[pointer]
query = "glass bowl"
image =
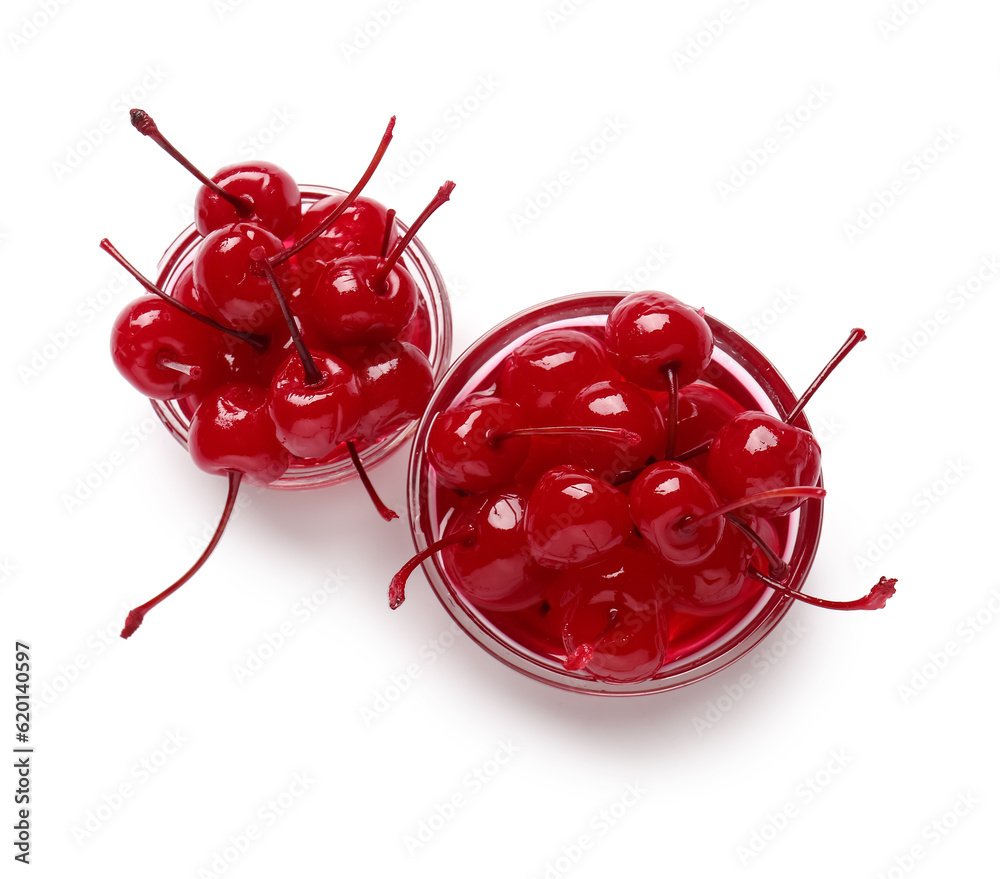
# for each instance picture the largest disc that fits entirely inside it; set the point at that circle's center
(432, 335)
(711, 643)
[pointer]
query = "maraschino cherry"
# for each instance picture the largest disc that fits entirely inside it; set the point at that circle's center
(257, 192)
(365, 299)
(661, 344)
(574, 519)
(611, 623)
(756, 452)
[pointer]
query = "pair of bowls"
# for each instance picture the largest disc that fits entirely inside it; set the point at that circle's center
(737, 368)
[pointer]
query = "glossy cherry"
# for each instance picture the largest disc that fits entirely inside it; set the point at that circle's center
(495, 571)
(544, 374)
(396, 381)
(611, 622)
(462, 446)
(650, 332)
(314, 414)
(361, 300)
(621, 405)
(232, 430)
(665, 499)
(756, 452)
(574, 519)
(228, 282)
(365, 228)
(258, 192)
(720, 583)
(273, 194)
(164, 353)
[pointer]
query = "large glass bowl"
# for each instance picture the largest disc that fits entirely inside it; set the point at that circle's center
(433, 337)
(737, 368)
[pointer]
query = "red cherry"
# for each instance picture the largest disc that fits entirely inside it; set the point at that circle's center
(362, 300)
(228, 282)
(665, 499)
(611, 622)
(396, 381)
(649, 332)
(312, 418)
(271, 192)
(232, 431)
(495, 571)
(614, 404)
(164, 353)
(756, 452)
(574, 519)
(701, 411)
(361, 230)
(258, 192)
(462, 449)
(719, 583)
(544, 374)
(354, 304)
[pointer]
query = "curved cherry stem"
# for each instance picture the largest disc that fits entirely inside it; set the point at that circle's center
(777, 567)
(135, 616)
(313, 375)
(585, 652)
(876, 599)
(857, 335)
(335, 214)
(257, 341)
(144, 124)
(382, 272)
(630, 437)
(808, 491)
(397, 586)
(383, 510)
(390, 221)
(669, 371)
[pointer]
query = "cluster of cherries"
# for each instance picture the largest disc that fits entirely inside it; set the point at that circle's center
(594, 490)
(291, 338)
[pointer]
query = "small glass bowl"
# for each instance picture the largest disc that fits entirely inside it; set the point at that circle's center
(737, 368)
(433, 309)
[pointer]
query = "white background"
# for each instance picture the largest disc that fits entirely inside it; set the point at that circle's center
(847, 745)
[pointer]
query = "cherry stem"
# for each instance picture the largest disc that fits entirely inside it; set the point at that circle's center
(669, 371)
(390, 221)
(880, 593)
(585, 652)
(313, 374)
(144, 124)
(694, 452)
(777, 567)
(629, 437)
(135, 616)
(335, 214)
(774, 493)
(857, 335)
(383, 510)
(257, 341)
(382, 272)
(397, 586)
(187, 369)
